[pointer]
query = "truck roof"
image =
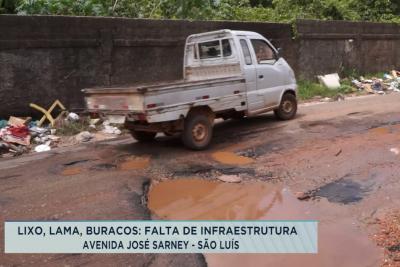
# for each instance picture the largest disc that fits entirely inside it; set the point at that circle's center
(221, 34)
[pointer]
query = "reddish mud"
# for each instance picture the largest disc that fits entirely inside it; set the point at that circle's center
(71, 171)
(135, 163)
(388, 237)
(340, 242)
(231, 158)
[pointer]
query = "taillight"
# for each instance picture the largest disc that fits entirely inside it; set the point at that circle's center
(151, 105)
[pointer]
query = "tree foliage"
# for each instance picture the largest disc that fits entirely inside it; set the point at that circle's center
(243, 10)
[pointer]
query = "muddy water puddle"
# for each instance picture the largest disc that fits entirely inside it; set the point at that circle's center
(340, 242)
(135, 163)
(226, 157)
(71, 171)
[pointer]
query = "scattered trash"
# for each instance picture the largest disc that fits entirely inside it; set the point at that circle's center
(17, 135)
(108, 129)
(331, 81)
(73, 116)
(20, 135)
(43, 147)
(93, 123)
(18, 122)
(47, 113)
(388, 82)
(230, 178)
(3, 123)
(395, 150)
(84, 137)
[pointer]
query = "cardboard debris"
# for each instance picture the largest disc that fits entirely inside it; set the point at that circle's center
(17, 135)
(331, 81)
(43, 147)
(18, 122)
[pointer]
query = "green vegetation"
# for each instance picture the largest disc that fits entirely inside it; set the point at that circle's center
(308, 89)
(242, 10)
(69, 128)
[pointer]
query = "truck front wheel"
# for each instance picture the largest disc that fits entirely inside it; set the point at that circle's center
(143, 136)
(287, 108)
(197, 131)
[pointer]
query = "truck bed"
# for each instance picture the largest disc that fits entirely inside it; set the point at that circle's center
(167, 100)
(159, 86)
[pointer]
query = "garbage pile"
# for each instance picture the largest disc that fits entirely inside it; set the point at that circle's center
(388, 83)
(21, 135)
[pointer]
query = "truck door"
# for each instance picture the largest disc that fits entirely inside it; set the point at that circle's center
(270, 72)
(254, 101)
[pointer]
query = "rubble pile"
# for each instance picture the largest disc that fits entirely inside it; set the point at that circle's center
(22, 135)
(388, 83)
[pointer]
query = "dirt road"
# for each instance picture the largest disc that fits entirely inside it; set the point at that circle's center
(340, 158)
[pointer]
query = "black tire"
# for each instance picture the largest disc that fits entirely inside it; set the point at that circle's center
(287, 108)
(143, 136)
(200, 125)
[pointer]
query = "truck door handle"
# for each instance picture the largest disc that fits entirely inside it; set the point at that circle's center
(260, 76)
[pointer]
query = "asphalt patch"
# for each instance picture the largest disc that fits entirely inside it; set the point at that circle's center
(344, 191)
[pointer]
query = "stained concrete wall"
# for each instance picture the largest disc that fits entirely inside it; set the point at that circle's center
(340, 46)
(43, 58)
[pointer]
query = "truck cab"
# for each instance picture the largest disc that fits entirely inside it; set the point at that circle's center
(241, 53)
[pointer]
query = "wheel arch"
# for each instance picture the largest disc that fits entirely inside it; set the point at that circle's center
(287, 91)
(201, 110)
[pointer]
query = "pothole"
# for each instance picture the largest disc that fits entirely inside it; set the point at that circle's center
(71, 171)
(340, 242)
(208, 170)
(134, 163)
(226, 157)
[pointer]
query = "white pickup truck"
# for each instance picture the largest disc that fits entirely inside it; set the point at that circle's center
(226, 74)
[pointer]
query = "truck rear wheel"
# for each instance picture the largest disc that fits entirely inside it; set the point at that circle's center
(197, 131)
(143, 136)
(287, 108)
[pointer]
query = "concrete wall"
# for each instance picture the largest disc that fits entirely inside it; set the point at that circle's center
(43, 58)
(337, 46)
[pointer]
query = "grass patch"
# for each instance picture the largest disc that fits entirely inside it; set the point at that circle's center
(308, 89)
(69, 128)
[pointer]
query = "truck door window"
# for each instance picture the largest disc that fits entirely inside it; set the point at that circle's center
(210, 49)
(246, 52)
(264, 53)
(226, 48)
